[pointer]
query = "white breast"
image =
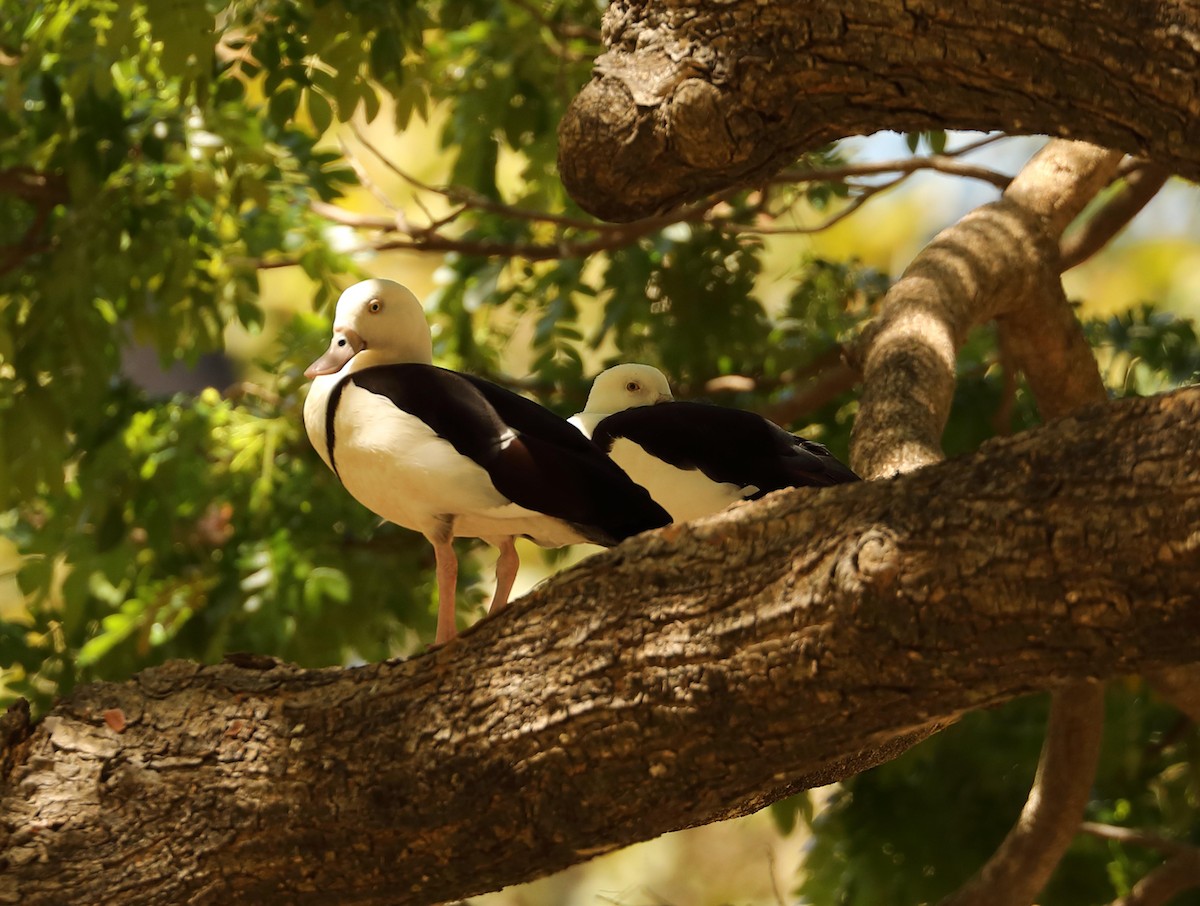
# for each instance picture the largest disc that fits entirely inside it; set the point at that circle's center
(684, 493)
(314, 412)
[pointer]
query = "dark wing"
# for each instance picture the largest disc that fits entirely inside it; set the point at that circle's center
(527, 417)
(533, 457)
(726, 445)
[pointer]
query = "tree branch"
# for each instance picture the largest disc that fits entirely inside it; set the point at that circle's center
(816, 625)
(1139, 188)
(813, 393)
(1177, 874)
(690, 99)
(1180, 687)
(1028, 855)
(1134, 837)
(939, 163)
(44, 191)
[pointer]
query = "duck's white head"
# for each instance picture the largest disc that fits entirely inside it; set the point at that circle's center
(376, 322)
(626, 387)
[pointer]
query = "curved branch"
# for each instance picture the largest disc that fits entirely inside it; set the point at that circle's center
(816, 625)
(1024, 861)
(1179, 687)
(1179, 873)
(693, 98)
(965, 276)
(1139, 188)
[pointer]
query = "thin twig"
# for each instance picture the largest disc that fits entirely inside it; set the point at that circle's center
(606, 236)
(367, 181)
(479, 202)
(1134, 837)
(868, 192)
(971, 147)
(388, 162)
(941, 163)
(564, 31)
(813, 394)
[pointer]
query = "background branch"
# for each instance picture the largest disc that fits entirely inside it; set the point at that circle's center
(1179, 873)
(580, 237)
(1139, 187)
(1134, 837)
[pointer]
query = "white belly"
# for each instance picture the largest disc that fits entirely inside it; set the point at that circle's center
(684, 493)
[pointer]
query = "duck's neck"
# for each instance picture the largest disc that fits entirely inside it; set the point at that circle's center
(369, 358)
(587, 421)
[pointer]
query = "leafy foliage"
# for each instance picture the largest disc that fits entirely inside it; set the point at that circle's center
(156, 157)
(913, 830)
(207, 530)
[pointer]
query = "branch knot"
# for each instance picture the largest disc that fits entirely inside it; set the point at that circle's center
(872, 561)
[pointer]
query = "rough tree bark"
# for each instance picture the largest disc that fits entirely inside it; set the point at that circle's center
(803, 629)
(692, 97)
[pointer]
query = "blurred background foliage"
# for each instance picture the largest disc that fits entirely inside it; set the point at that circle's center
(186, 186)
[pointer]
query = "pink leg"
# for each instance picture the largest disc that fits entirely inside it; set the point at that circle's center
(447, 582)
(506, 573)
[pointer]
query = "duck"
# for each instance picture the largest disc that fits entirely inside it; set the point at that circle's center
(451, 455)
(697, 458)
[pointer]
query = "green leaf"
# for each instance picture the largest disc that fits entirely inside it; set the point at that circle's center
(282, 105)
(319, 110)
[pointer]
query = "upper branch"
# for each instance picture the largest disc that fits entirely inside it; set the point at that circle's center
(816, 625)
(693, 97)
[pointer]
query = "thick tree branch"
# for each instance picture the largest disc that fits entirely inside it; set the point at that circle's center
(809, 627)
(965, 276)
(1048, 345)
(1001, 259)
(693, 98)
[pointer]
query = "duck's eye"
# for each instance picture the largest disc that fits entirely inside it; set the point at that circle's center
(633, 386)
(341, 341)
(374, 306)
